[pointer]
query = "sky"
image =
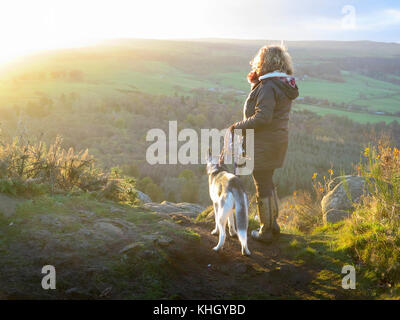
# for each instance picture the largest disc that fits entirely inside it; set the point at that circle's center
(28, 26)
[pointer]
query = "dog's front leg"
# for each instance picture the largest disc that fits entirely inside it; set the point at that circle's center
(215, 231)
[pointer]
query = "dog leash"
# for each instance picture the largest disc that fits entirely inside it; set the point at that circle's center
(228, 139)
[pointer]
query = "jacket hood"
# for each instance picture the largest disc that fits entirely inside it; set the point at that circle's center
(285, 82)
(288, 86)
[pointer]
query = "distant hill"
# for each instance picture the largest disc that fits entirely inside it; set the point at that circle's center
(120, 67)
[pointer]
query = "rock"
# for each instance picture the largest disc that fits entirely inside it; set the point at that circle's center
(116, 210)
(8, 205)
(181, 218)
(85, 232)
(164, 241)
(86, 213)
(334, 216)
(131, 248)
(335, 181)
(109, 229)
(342, 196)
(167, 223)
(187, 209)
(78, 293)
(185, 206)
(143, 197)
(120, 223)
(164, 207)
(150, 237)
(50, 221)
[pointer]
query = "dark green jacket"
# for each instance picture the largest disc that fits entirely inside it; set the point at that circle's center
(266, 110)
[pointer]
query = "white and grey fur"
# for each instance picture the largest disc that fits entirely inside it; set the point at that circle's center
(227, 193)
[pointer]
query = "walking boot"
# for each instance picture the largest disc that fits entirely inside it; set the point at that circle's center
(264, 210)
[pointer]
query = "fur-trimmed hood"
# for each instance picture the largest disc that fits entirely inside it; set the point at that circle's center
(285, 82)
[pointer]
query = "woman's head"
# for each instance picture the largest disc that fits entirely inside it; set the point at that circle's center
(272, 58)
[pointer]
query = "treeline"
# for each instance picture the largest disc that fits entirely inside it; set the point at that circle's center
(114, 131)
(72, 75)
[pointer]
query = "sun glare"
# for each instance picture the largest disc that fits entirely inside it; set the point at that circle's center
(28, 26)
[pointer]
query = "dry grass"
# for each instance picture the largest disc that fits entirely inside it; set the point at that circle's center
(30, 167)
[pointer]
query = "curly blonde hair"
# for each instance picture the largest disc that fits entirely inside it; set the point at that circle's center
(272, 58)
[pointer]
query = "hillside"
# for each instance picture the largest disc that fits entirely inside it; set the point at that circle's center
(107, 97)
(356, 79)
(109, 241)
(105, 250)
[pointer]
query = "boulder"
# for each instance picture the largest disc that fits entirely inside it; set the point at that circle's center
(334, 216)
(344, 192)
(143, 197)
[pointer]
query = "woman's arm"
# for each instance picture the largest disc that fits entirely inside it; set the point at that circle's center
(264, 110)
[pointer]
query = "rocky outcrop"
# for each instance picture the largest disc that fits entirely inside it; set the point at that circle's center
(343, 193)
(188, 209)
(144, 198)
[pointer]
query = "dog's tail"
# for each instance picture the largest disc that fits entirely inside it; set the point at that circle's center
(242, 216)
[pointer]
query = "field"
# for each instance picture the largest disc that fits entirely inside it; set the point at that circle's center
(119, 68)
(356, 116)
(357, 89)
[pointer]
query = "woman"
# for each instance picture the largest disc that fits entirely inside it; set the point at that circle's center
(266, 110)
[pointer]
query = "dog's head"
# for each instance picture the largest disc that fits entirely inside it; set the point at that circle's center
(213, 165)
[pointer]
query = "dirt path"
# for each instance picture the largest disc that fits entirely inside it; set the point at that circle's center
(102, 250)
(271, 272)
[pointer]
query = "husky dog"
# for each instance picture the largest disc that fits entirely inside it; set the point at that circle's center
(226, 193)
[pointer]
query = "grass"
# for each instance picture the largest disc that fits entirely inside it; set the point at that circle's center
(369, 239)
(47, 229)
(132, 66)
(374, 92)
(355, 116)
(323, 248)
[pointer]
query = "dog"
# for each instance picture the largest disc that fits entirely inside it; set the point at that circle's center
(227, 193)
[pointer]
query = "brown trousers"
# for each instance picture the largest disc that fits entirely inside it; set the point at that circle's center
(263, 182)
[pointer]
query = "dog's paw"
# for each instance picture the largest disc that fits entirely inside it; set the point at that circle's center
(246, 252)
(214, 232)
(217, 249)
